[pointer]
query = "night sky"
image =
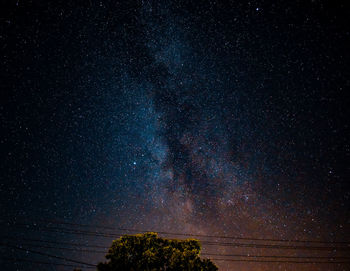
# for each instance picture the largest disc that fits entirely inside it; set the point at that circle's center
(213, 118)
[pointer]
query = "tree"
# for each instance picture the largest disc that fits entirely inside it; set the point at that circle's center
(152, 253)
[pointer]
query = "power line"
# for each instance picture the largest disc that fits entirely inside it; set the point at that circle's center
(273, 246)
(63, 248)
(217, 243)
(45, 254)
(330, 259)
(65, 230)
(231, 260)
(275, 261)
(201, 235)
(213, 259)
(9, 260)
(203, 254)
(104, 247)
(194, 235)
(275, 256)
(55, 242)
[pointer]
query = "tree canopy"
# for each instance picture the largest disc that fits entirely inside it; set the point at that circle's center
(152, 253)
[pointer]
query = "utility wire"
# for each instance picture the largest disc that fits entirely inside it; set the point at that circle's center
(275, 261)
(67, 230)
(45, 254)
(200, 235)
(275, 256)
(54, 242)
(213, 259)
(203, 254)
(62, 248)
(330, 260)
(217, 243)
(231, 260)
(9, 260)
(234, 244)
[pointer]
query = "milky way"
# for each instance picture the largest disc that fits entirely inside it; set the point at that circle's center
(213, 119)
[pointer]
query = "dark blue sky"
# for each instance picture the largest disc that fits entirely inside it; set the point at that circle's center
(226, 118)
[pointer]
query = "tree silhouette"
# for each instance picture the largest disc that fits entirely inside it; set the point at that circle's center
(152, 253)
